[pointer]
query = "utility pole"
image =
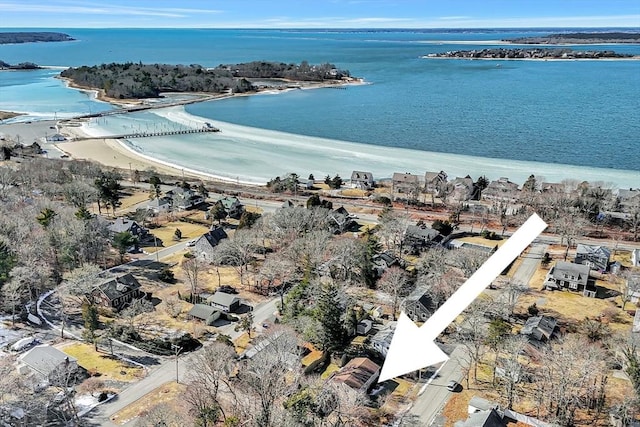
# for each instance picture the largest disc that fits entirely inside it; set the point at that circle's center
(177, 350)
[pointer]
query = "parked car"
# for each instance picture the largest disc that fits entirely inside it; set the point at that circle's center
(191, 243)
(453, 386)
(227, 289)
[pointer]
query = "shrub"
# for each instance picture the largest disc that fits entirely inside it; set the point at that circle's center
(167, 276)
(533, 309)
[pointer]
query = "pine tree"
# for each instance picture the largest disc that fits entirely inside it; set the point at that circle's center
(329, 311)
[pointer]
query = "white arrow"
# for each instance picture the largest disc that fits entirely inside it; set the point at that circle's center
(413, 347)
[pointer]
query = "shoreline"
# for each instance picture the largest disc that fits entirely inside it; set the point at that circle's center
(633, 58)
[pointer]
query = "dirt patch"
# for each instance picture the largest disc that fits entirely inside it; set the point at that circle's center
(166, 394)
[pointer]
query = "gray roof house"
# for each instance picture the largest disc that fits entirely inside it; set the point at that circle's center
(381, 341)
(203, 248)
(204, 312)
(117, 292)
(364, 326)
(540, 328)
(490, 418)
(596, 257)
(460, 189)
(184, 198)
(122, 224)
(435, 181)
(158, 205)
(571, 276)
(384, 260)
(232, 206)
(227, 303)
(405, 183)
(418, 305)
(418, 238)
(501, 189)
(46, 361)
(362, 180)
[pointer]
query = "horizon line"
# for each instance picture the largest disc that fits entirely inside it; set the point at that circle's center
(328, 28)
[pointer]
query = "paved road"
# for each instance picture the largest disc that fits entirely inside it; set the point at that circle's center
(530, 263)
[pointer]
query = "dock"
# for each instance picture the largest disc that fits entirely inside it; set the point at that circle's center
(205, 129)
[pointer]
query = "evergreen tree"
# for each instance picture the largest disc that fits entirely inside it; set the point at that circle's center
(328, 312)
(530, 184)
(154, 182)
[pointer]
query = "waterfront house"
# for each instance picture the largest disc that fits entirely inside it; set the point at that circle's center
(227, 303)
(232, 206)
(362, 180)
(434, 182)
(628, 199)
(567, 275)
(405, 183)
(359, 374)
(117, 292)
(596, 257)
(184, 198)
(460, 189)
(205, 244)
(501, 190)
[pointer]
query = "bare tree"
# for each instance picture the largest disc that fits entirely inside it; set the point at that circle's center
(237, 252)
(161, 415)
(472, 334)
(192, 267)
(511, 291)
(392, 229)
(395, 282)
(278, 269)
(346, 258)
(132, 313)
(511, 368)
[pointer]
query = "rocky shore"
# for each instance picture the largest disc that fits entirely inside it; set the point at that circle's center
(537, 53)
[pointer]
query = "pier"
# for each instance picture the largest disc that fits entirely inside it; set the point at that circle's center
(205, 129)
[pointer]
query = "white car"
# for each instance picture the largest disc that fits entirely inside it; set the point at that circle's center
(191, 243)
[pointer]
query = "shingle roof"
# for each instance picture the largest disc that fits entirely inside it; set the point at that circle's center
(121, 225)
(405, 178)
(423, 233)
(482, 419)
(223, 299)
(359, 175)
(201, 311)
(561, 267)
(45, 359)
(115, 287)
(229, 201)
(214, 236)
(596, 250)
(539, 326)
(357, 372)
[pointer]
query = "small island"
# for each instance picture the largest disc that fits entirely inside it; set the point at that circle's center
(537, 53)
(580, 38)
(136, 80)
(33, 37)
(20, 66)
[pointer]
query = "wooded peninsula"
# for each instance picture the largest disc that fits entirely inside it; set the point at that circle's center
(137, 80)
(580, 38)
(33, 37)
(20, 66)
(537, 53)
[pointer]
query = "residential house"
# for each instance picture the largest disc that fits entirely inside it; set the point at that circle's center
(383, 261)
(158, 205)
(635, 258)
(381, 341)
(340, 220)
(539, 329)
(405, 183)
(434, 182)
(628, 199)
(460, 189)
(418, 305)
(359, 374)
(553, 187)
(289, 358)
(227, 303)
(56, 137)
(205, 244)
(362, 180)
(596, 257)
(184, 198)
(571, 276)
(490, 418)
(364, 327)
(204, 312)
(633, 288)
(478, 404)
(122, 224)
(501, 190)
(232, 206)
(417, 238)
(48, 364)
(117, 292)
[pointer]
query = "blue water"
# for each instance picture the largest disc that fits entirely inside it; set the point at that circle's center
(577, 113)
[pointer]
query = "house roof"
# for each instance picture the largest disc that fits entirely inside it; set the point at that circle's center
(366, 323)
(179, 191)
(489, 418)
(430, 176)
(157, 202)
(539, 326)
(213, 236)
(593, 250)
(115, 287)
(201, 311)
(384, 335)
(482, 404)
(223, 299)
(562, 267)
(424, 233)
(362, 176)
(405, 178)
(229, 201)
(357, 372)
(385, 258)
(121, 225)
(420, 295)
(45, 359)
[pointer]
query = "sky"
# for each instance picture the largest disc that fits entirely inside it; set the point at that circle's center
(319, 14)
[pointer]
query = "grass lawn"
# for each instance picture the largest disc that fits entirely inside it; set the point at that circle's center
(108, 367)
(242, 342)
(128, 202)
(623, 257)
(481, 241)
(314, 354)
(353, 192)
(330, 370)
(166, 232)
(166, 394)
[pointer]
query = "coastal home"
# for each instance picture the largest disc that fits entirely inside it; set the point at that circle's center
(501, 190)
(418, 305)
(553, 187)
(434, 182)
(205, 313)
(417, 238)
(628, 199)
(205, 244)
(460, 189)
(381, 340)
(567, 275)
(158, 205)
(122, 224)
(184, 198)
(359, 374)
(596, 257)
(117, 292)
(340, 220)
(362, 180)
(405, 183)
(232, 206)
(48, 364)
(227, 303)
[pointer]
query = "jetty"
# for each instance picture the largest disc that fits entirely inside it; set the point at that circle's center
(205, 129)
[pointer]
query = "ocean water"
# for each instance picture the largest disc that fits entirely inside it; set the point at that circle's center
(499, 118)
